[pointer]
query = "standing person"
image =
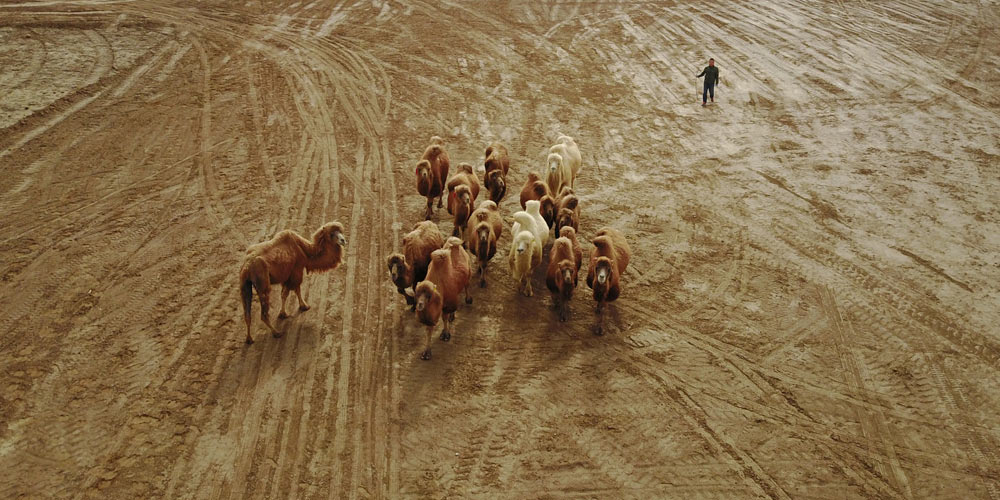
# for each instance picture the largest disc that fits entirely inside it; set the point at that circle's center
(711, 74)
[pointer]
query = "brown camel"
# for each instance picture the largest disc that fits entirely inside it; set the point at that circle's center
(285, 259)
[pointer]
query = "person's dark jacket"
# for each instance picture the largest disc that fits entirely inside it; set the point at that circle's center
(711, 74)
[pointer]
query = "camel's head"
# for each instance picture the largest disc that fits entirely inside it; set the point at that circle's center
(424, 169)
(483, 232)
(397, 265)
(332, 233)
(602, 270)
(554, 160)
(564, 220)
(566, 269)
(336, 232)
(423, 294)
(547, 207)
(567, 232)
(464, 195)
(522, 241)
(567, 274)
(496, 183)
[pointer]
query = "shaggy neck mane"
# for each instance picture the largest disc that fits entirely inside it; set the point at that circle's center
(601, 289)
(483, 248)
(321, 255)
(462, 211)
(424, 184)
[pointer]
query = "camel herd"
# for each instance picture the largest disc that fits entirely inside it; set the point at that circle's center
(433, 271)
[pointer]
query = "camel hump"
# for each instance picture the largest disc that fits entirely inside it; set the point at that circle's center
(441, 255)
(603, 243)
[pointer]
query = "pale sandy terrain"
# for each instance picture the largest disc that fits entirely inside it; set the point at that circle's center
(812, 309)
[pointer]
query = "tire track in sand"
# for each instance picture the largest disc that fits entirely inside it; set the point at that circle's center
(864, 291)
(36, 131)
(213, 204)
(873, 423)
(762, 379)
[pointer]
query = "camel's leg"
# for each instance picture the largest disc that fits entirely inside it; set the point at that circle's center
(482, 274)
(441, 197)
(246, 290)
(468, 298)
(564, 311)
(527, 287)
(246, 317)
(430, 208)
(284, 298)
(446, 332)
(427, 346)
(264, 312)
(302, 303)
(294, 284)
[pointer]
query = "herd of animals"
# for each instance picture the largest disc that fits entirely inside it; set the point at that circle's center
(433, 271)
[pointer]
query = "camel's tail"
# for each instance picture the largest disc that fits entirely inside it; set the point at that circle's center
(250, 275)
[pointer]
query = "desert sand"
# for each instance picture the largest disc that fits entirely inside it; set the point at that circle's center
(812, 309)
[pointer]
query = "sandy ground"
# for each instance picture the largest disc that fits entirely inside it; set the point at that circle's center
(811, 310)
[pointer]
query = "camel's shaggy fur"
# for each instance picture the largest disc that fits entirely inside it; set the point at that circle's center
(432, 171)
(410, 267)
(437, 295)
(608, 261)
(285, 259)
(497, 164)
(487, 226)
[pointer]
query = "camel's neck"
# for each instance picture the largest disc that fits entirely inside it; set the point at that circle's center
(405, 278)
(456, 255)
(425, 184)
(462, 213)
(484, 248)
(322, 259)
(600, 290)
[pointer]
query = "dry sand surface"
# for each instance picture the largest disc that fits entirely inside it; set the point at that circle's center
(811, 309)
